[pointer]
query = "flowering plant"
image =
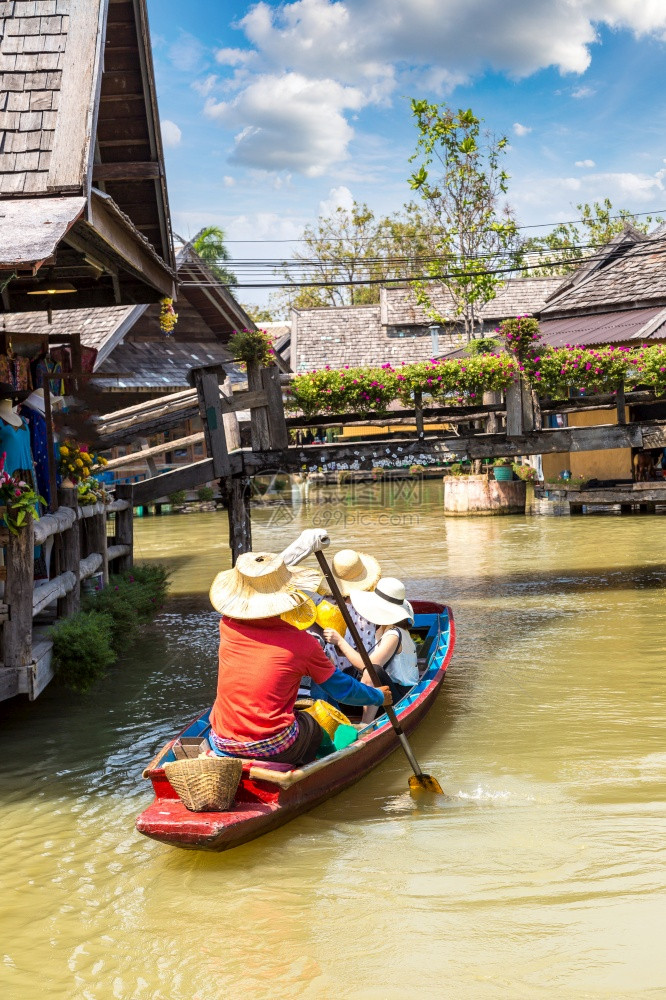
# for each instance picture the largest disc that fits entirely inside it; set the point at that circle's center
(252, 347)
(91, 491)
(18, 498)
(168, 316)
(74, 464)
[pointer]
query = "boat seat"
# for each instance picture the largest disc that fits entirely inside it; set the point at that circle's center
(190, 746)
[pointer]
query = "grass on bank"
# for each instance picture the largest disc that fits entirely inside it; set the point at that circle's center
(89, 642)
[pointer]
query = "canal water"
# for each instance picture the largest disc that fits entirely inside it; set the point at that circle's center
(541, 875)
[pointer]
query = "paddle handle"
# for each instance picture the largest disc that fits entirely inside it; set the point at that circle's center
(367, 662)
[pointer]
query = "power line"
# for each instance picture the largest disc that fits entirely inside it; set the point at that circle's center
(407, 279)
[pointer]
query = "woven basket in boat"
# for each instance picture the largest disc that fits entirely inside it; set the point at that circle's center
(205, 784)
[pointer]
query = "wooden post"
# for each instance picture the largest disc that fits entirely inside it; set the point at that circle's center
(230, 421)
(125, 527)
(70, 554)
(206, 382)
(93, 536)
(260, 436)
(19, 586)
(621, 411)
(277, 425)
(236, 495)
(493, 419)
(418, 413)
(519, 409)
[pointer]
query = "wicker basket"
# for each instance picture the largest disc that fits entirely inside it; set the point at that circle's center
(205, 784)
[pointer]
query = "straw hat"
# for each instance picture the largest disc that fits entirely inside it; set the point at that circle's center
(354, 571)
(260, 586)
(386, 605)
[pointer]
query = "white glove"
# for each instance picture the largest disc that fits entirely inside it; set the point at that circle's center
(309, 541)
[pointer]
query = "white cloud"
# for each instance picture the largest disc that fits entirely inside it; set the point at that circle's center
(228, 181)
(234, 57)
(187, 53)
(289, 123)
(338, 197)
(331, 58)
(206, 86)
(171, 134)
(584, 163)
(521, 129)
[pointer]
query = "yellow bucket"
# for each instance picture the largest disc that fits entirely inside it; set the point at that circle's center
(329, 718)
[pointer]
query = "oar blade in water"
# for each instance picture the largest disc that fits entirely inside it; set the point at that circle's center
(424, 783)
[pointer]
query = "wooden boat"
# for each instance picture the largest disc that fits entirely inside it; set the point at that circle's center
(271, 795)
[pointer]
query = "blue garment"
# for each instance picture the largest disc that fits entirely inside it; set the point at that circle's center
(37, 427)
(343, 688)
(15, 443)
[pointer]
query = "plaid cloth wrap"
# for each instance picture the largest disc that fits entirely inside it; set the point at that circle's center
(255, 749)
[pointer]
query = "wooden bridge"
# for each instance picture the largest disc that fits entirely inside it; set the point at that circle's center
(504, 424)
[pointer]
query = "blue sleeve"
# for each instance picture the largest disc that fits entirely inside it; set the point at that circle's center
(345, 689)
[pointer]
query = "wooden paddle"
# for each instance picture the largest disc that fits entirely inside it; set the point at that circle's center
(418, 781)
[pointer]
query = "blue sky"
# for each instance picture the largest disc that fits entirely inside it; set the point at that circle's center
(273, 112)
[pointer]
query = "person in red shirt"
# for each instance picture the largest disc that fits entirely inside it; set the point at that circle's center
(262, 659)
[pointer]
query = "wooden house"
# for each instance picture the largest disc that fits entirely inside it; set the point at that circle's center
(618, 298)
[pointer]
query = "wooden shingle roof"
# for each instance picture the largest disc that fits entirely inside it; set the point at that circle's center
(79, 119)
(33, 34)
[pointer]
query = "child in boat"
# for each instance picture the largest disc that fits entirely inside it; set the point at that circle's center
(261, 661)
(393, 653)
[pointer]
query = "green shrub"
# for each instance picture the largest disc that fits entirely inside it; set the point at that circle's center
(205, 494)
(417, 470)
(525, 472)
(177, 498)
(83, 649)
(458, 469)
(130, 599)
(501, 462)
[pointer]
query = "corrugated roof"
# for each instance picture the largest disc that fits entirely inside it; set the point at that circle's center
(142, 366)
(605, 328)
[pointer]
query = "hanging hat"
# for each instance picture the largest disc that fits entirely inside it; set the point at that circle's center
(354, 571)
(261, 586)
(386, 605)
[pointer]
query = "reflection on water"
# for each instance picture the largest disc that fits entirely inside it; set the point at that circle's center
(541, 873)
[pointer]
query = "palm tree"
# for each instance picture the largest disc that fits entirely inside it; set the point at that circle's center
(210, 246)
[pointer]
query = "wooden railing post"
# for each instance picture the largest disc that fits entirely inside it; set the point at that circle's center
(277, 424)
(260, 435)
(418, 413)
(19, 586)
(93, 539)
(519, 409)
(125, 527)
(236, 495)
(206, 382)
(493, 420)
(70, 554)
(621, 403)
(230, 421)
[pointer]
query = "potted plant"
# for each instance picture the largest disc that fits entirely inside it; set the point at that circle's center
(502, 470)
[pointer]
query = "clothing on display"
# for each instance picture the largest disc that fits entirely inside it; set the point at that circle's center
(38, 442)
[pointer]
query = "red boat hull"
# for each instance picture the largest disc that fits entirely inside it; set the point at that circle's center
(262, 805)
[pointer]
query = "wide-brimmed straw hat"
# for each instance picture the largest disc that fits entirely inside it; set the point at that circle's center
(386, 605)
(261, 586)
(354, 571)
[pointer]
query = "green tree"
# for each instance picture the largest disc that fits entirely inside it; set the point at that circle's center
(260, 314)
(210, 245)
(459, 176)
(354, 251)
(562, 249)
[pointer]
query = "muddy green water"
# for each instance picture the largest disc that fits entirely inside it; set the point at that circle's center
(541, 876)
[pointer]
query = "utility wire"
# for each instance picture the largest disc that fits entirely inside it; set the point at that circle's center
(406, 279)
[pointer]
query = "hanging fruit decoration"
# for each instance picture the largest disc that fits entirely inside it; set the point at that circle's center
(168, 316)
